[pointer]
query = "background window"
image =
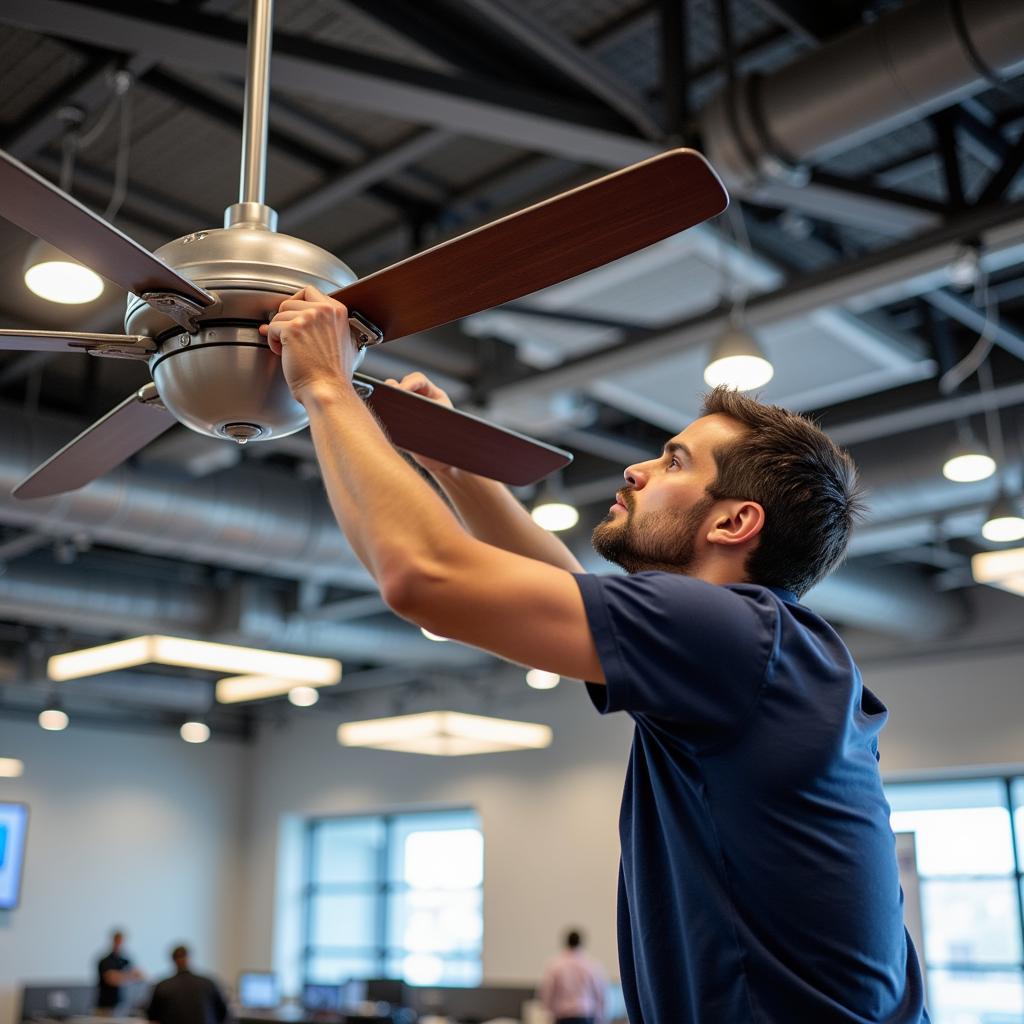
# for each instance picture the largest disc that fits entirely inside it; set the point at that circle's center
(968, 860)
(396, 896)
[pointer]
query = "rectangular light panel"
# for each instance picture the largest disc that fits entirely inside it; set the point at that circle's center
(183, 653)
(235, 689)
(444, 734)
(11, 768)
(996, 567)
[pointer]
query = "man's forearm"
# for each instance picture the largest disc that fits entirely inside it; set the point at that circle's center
(492, 514)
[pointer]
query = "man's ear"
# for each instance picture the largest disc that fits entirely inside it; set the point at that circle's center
(736, 522)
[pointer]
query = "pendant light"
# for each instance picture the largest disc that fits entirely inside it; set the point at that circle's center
(1004, 521)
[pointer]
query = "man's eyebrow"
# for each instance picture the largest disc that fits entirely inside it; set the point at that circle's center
(677, 446)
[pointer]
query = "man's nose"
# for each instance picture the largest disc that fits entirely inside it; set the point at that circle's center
(634, 476)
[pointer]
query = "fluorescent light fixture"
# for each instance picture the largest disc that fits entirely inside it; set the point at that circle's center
(194, 732)
(303, 696)
(183, 653)
(433, 636)
(737, 361)
(444, 734)
(235, 689)
(555, 516)
(11, 768)
(541, 680)
(53, 275)
(53, 720)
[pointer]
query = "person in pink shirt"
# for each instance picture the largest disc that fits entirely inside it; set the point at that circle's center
(573, 987)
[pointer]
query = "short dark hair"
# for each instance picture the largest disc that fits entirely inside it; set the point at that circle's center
(179, 953)
(806, 484)
(573, 939)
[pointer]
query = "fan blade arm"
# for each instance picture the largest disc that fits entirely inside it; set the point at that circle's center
(118, 435)
(540, 246)
(424, 427)
(116, 346)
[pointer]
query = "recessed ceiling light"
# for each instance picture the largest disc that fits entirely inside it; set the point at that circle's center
(53, 720)
(303, 696)
(194, 732)
(541, 680)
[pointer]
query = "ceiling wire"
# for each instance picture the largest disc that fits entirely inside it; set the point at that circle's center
(975, 359)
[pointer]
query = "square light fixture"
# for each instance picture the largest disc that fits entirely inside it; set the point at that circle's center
(444, 734)
(1003, 569)
(11, 768)
(183, 653)
(236, 689)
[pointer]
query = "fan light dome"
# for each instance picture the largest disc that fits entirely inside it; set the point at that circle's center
(55, 276)
(737, 361)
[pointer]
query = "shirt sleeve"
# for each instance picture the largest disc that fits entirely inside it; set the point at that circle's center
(677, 648)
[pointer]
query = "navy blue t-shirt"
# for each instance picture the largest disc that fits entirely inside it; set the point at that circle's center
(758, 880)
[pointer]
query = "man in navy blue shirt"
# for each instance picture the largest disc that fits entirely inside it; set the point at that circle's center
(758, 878)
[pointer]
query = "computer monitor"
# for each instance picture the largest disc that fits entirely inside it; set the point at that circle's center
(385, 990)
(471, 1005)
(57, 1001)
(321, 998)
(13, 825)
(258, 990)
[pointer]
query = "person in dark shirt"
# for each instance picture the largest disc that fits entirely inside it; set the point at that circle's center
(114, 971)
(758, 880)
(186, 998)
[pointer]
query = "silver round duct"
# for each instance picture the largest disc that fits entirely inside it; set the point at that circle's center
(907, 64)
(102, 603)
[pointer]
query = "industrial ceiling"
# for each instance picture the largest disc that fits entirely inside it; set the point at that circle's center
(396, 125)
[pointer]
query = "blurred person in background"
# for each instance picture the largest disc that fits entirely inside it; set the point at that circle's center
(186, 998)
(573, 987)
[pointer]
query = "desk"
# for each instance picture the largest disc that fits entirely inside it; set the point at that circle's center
(298, 1015)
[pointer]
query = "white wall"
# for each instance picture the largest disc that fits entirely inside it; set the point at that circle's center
(549, 817)
(139, 831)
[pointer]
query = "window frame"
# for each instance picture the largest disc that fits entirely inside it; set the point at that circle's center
(382, 889)
(1016, 876)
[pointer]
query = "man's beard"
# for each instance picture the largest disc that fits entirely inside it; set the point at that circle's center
(664, 541)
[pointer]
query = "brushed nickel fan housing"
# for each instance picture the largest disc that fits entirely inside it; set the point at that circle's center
(221, 379)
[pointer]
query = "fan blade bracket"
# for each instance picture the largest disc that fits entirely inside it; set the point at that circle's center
(184, 312)
(364, 331)
(136, 346)
(149, 395)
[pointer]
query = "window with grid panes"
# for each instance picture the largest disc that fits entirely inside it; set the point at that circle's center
(969, 855)
(394, 896)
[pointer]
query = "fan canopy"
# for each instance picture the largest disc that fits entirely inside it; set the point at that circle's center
(222, 380)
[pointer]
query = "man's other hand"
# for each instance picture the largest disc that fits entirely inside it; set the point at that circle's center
(420, 384)
(310, 333)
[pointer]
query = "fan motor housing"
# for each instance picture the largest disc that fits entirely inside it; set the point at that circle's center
(222, 379)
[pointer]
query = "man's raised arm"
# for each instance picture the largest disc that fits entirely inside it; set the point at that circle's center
(487, 508)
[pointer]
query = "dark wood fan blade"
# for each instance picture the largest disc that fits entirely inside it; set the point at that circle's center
(124, 430)
(420, 425)
(33, 203)
(541, 245)
(119, 346)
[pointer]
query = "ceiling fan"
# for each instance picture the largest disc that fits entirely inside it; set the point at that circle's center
(195, 305)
